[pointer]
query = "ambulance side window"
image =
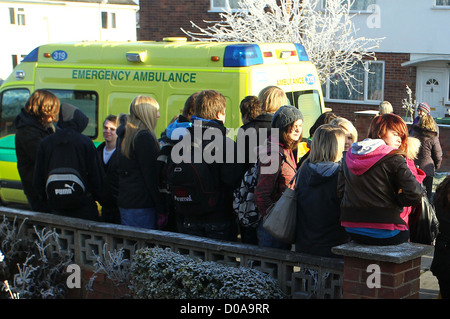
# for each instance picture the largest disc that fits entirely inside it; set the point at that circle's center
(309, 103)
(11, 102)
(87, 102)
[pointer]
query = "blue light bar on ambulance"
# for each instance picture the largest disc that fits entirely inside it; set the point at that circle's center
(32, 56)
(242, 55)
(302, 55)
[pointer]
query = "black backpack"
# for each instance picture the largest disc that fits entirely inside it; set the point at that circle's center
(65, 189)
(194, 187)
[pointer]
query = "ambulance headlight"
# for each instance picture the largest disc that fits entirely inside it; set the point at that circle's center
(242, 55)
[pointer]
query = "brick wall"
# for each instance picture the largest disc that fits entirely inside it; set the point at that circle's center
(102, 288)
(164, 18)
(398, 281)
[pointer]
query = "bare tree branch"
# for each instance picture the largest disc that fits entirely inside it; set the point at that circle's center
(328, 34)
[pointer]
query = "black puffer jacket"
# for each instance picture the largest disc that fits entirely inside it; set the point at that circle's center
(67, 147)
(29, 133)
(262, 121)
(229, 171)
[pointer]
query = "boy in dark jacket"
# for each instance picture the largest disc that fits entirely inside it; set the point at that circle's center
(226, 172)
(108, 158)
(68, 148)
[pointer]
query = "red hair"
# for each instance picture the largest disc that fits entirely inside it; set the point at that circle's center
(381, 124)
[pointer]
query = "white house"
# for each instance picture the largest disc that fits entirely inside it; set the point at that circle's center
(419, 29)
(26, 24)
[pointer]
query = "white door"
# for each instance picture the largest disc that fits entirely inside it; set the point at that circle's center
(431, 89)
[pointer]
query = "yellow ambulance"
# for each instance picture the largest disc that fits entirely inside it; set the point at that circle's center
(102, 78)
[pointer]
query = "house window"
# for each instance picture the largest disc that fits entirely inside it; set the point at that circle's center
(112, 20)
(358, 5)
(368, 86)
(18, 18)
(443, 3)
(16, 59)
(104, 20)
(222, 5)
(12, 16)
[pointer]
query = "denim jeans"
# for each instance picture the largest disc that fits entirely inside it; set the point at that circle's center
(138, 217)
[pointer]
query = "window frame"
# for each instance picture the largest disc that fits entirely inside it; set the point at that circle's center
(108, 20)
(213, 8)
(365, 100)
(92, 127)
(17, 16)
(7, 127)
(355, 10)
(113, 23)
(441, 6)
(104, 19)
(12, 16)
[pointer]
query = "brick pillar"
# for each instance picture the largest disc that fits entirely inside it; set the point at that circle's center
(381, 272)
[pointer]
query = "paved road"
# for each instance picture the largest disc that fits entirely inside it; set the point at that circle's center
(429, 287)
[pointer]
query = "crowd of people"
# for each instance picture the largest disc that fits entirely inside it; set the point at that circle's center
(347, 189)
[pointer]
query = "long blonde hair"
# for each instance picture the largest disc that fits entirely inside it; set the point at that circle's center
(143, 116)
(272, 98)
(327, 144)
(347, 126)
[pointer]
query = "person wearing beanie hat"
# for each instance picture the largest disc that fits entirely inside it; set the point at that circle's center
(286, 115)
(277, 166)
(422, 108)
(67, 150)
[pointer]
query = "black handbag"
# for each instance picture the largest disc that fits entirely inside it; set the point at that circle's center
(423, 223)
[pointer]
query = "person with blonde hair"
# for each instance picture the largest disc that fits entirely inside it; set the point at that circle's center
(139, 200)
(351, 134)
(429, 157)
(318, 226)
(272, 98)
(34, 123)
(385, 108)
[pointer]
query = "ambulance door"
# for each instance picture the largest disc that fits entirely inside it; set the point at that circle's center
(11, 101)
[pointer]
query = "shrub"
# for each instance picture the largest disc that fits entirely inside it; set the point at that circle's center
(162, 274)
(32, 269)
